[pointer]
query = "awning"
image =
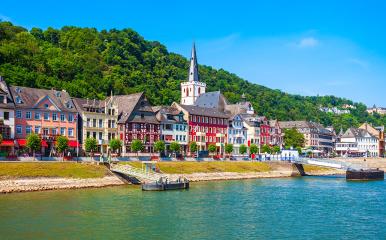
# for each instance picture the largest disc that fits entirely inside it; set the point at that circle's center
(7, 143)
(21, 142)
(44, 143)
(73, 143)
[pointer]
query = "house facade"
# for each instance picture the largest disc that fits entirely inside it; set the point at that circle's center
(48, 113)
(276, 135)
(137, 121)
(7, 118)
(97, 119)
(237, 133)
(359, 143)
(173, 127)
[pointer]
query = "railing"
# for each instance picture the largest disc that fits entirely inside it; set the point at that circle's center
(136, 172)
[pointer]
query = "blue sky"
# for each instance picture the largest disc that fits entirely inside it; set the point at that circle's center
(302, 47)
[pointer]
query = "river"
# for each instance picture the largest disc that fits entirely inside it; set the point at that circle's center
(284, 208)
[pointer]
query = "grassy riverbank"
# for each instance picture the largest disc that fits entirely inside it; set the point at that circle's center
(209, 167)
(54, 169)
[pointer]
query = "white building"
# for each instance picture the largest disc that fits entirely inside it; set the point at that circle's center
(193, 88)
(7, 112)
(358, 142)
(237, 133)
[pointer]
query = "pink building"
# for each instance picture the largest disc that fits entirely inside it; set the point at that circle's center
(49, 113)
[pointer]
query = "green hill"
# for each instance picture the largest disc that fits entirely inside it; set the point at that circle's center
(91, 63)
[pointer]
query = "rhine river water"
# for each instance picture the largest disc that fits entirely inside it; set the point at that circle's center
(286, 208)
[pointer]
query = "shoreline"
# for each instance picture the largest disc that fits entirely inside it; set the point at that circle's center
(45, 183)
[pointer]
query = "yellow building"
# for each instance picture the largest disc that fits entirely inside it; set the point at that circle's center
(97, 119)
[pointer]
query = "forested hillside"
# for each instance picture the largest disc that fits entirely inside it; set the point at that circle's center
(91, 63)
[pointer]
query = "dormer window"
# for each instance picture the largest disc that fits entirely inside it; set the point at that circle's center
(18, 90)
(69, 104)
(18, 100)
(58, 94)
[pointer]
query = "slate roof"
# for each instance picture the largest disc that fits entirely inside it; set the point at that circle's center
(31, 96)
(81, 103)
(4, 90)
(203, 111)
(169, 114)
(211, 100)
(357, 133)
(132, 107)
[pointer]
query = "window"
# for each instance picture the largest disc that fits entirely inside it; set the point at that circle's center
(19, 129)
(6, 115)
(94, 123)
(63, 131)
(28, 115)
(18, 113)
(70, 132)
(70, 117)
(37, 129)
(100, 136)
(94, 135)
(28, 130)
(18, 100)
(37, 115)
(45, 131)
(54, 131)
(46, 106)
(46, 116)
(62, 117)
(54, 117)
(100, 123)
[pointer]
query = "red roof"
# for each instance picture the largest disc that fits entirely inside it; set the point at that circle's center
(73, 143)
(7, 143)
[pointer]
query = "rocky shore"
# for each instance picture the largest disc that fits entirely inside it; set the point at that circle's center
(40, 184)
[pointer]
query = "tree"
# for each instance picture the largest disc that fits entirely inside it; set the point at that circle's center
(253, 149)
(34, 143)
(243, 149)
(90, 145)
(136, 146)
(293, 138)
(159, 146)
(1, 138)
(228, 148)
(175, 147)
(212, 148)
(275, 149)
(115, 144)
(266, 149)
(62, 145)
(193, 147)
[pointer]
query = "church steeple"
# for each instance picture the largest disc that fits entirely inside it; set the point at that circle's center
(193, 88)
(193, 70)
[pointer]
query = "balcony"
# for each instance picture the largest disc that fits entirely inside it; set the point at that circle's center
(220, 135)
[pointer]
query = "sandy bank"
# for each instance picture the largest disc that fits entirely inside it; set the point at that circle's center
(39, 184)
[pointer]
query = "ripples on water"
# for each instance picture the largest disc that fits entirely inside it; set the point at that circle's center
(288, 208)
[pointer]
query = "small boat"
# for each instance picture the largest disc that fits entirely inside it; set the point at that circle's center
(164, 184)
(367, 174)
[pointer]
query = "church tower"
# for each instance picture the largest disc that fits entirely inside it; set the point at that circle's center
(193, 88)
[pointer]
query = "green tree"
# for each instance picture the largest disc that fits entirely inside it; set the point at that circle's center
(159, 146)
(243, 149)
(175, 147)
(62, 145)
(212, 148)
(253, 149)
(275, 149)
(228, 149)
(34, 143)
(91, 145)
(137, 146)
(115, 144)
(193, 147)
(266, 149)
(293, 138)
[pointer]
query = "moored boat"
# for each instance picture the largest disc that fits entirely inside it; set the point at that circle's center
(367, 174)
(164, 184)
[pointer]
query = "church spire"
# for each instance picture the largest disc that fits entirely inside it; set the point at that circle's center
(193, 70)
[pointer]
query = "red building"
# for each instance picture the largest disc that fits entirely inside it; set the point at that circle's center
(137, 120)
(265, 129)
(206, 126)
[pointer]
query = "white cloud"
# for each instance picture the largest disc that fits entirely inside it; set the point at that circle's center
(359, 62)
(308, 42)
